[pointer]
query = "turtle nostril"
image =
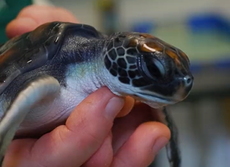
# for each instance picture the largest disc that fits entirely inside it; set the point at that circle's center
(188, 81)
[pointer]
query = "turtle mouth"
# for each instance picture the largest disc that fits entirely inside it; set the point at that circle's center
(155, 98)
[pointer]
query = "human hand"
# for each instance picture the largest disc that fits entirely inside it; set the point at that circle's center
(33, 16)
(90, 136)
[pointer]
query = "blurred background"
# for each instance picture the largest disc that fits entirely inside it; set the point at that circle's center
(199, 28)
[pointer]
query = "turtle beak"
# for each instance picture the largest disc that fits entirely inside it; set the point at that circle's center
(185, 87)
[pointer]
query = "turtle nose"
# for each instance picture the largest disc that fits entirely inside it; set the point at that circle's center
(188, 82)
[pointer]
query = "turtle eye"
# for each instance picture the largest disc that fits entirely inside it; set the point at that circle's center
(153, 68)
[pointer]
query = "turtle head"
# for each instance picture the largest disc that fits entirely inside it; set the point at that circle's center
(148, 69)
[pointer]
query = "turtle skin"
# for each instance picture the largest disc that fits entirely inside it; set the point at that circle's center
(33, 66)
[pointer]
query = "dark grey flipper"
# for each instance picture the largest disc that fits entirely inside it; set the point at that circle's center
(172, 148)
(20, 107)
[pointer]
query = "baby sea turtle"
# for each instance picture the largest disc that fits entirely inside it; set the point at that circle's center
(42, 71)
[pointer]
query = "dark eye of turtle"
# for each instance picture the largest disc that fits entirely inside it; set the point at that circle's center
(152, 68)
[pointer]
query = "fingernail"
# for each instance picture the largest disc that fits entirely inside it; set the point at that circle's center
(113, 107)
(159, 144)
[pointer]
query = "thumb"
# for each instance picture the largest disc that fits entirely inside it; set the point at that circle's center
(33, 16)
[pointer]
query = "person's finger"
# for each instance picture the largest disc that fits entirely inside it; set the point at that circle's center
(103, 156)
(129, 103)
(74, 143)
(142, 146)
(33, 16)
(19, 154)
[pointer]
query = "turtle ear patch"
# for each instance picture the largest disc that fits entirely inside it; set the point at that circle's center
(121, 58)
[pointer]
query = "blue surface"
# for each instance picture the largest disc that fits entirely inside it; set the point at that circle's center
(223, 64)
(209, 21)
(143, 27)
(196, 67)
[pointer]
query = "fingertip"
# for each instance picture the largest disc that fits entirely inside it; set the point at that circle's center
(156, 135)
(160, 134)
(148, 139)
(20, 26)
(157, 129)
(129, 103)
(43, 14)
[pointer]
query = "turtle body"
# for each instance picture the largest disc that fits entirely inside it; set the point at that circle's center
(42, 71)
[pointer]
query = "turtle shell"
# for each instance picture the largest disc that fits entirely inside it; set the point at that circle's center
(33, 49)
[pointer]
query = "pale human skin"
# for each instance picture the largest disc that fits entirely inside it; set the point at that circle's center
(92, 135)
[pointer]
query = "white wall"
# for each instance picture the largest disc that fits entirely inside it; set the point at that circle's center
(157, 10)
(84, 10)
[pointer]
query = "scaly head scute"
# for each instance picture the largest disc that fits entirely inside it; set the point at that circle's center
(154, 69)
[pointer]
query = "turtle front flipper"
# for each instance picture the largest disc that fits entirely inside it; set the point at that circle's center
(20, 107)
(172, 148)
